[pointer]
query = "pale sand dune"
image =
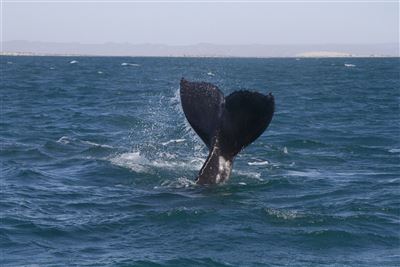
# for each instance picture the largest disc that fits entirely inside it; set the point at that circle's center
(324, 54)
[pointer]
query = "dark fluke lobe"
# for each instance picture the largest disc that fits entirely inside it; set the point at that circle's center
(225, 124)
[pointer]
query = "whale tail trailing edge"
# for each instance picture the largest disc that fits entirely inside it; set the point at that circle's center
(226, 125)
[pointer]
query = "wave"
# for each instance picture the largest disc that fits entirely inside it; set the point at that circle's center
(67, 140)
(258, 163)
(133, 161)
(137, 162)
(32, 173)
(181, 182)
(96, 144)
(130, 64)
(310, 173)
(248, 174)
(285, 150)
(341, 237)
(64, 140)
(182, 262)
(283, 214)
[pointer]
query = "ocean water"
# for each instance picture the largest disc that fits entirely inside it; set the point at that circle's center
(98, 163)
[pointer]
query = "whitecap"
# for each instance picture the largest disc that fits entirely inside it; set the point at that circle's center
(73, 62)
(258, 163)
(253, 175)
(95, 144)
(139, 163)
(349, 65)
(100, 72)
(394, 150)
(181, 182)
(285, 150)
(130, 64)
(173, 141)
(310, 173)
(64, 140)
(210, 73)
(283, 214)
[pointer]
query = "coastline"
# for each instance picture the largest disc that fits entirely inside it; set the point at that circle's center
(318, 54)
(200, 50)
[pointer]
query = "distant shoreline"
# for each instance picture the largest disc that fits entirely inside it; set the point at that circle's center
(201, 50)
(29, 54)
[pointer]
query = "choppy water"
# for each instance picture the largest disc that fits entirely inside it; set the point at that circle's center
(98, 162)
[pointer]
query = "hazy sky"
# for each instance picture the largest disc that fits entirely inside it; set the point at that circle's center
(190, 23)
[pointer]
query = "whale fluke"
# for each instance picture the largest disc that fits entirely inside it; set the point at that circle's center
(225, 124)
(202, 104)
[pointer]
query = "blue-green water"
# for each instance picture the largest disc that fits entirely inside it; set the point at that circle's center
(97, 164)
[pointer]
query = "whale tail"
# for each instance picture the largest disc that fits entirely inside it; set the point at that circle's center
(225, 124)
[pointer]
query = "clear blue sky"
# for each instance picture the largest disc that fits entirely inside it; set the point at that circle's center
(191, 23)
